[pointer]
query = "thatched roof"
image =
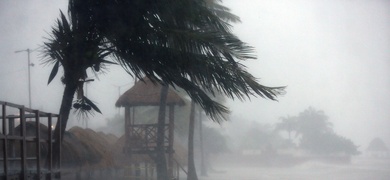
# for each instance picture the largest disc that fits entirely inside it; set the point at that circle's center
(93, 149)
(146, 93)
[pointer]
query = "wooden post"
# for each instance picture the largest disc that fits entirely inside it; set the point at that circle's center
(11, 144)
(37, 142)
(50, 147)
(128, 132)
(11, 130)
(146, 170)
(171, 138)
(5, 142)
(133, 116)
(58, 166)
(126, 117)
(137, 167)
(127, 127)
(23, 143)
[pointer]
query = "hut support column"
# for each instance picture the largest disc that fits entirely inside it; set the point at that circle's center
(171, 138)
(127, 125)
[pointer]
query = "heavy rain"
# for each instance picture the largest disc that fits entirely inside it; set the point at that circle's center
(318, 107)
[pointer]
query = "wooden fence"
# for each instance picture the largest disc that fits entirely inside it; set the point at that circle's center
(26, 143)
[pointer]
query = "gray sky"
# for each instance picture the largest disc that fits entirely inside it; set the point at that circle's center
(332, 54)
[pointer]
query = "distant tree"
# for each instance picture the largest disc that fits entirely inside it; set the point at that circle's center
(317, 135)
(215, 142)
(288, 124)
(260, 136)
(312, 122)
(329, 143)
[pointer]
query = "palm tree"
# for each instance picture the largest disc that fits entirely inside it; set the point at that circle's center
(288, 124)
(161, 164)
(191, 163)
(179, 43)
(191, 130)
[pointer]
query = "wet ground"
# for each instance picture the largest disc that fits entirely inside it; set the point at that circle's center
(358, 169)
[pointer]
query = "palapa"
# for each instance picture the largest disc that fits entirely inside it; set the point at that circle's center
(141, 139)
(147, 93)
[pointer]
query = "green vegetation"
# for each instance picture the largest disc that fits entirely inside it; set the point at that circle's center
(316, 134)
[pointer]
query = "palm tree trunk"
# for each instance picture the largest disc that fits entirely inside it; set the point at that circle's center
(203, 171)
(191, 164)
(161, 162)
(66, 106)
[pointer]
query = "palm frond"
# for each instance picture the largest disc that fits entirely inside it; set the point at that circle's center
(184, 43)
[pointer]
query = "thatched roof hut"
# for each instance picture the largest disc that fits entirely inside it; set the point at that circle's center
(146, 93)
(92, 150)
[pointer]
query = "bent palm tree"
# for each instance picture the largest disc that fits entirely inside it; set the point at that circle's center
(191, 163)
(175, 42)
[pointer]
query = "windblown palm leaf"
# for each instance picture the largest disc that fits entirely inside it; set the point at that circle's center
(196, 46)
(185, 43)
(221, 11)
(75, 49)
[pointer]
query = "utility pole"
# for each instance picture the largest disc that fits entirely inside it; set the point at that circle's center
(29, 73)
(119, 93)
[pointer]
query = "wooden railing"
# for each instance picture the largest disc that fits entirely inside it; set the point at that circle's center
(26, 142)
(143, 138)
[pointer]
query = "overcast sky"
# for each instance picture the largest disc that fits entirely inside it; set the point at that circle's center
(332, 55)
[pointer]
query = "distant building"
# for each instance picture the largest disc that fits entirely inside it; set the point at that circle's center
(378, 149)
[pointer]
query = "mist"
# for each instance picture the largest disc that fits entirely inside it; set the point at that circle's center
(332, 56)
